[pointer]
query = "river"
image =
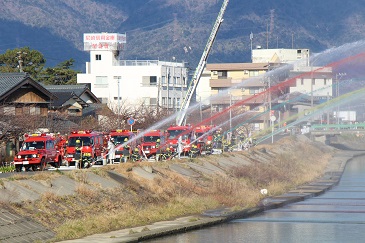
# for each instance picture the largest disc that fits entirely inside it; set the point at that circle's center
(336, 216)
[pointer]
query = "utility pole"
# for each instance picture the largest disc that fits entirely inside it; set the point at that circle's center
(20, 60)
(251, 39)
(230, 111)
(338, 77)
(118, 115)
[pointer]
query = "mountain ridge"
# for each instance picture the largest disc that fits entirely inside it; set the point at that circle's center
(163, 29)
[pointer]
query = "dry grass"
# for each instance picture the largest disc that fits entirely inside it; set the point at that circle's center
(141, 216)
(86, 191)
(79, 176)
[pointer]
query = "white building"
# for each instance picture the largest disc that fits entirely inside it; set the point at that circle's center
(298, 56)
(316, 80)
(135, 82)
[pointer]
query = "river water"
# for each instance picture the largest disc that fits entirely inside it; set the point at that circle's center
(336, 216)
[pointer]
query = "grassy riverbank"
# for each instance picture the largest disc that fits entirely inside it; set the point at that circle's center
(291, 162)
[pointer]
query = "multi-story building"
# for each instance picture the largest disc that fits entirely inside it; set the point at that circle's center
(223, 84)
(121, 83)
(244, 80)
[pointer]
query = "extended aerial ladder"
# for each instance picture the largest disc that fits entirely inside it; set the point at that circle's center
(199, 69)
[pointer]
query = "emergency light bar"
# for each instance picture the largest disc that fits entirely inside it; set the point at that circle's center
(81, 132)
(35, 135)
(120, 130)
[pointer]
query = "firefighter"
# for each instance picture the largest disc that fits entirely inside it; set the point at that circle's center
(179, 149)
(217, 139)
(158, 149)
(111, 151)
(208, 147)
(233, 139)
(78, 154)
(136, 155)
(167, 154)
(126, 150)
(194, 151)
(242, 139)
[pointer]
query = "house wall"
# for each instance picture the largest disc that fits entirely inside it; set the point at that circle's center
(316, 79)
(85, 97)
(26, 96)
(26, 101)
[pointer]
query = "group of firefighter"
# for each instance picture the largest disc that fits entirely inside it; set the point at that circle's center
(218, 144)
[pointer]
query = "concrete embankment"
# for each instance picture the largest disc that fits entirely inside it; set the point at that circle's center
(148, 182)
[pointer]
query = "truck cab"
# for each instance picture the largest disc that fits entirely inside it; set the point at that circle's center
(149, 142)
(123, 139)
(173, 134)
(91, 146)
(37, 151)
(204, 138)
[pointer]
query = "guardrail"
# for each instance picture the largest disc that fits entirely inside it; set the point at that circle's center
(358, 126)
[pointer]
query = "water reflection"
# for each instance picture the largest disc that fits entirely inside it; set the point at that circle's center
(336, 216)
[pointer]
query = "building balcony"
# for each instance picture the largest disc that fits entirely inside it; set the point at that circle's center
(220, 83)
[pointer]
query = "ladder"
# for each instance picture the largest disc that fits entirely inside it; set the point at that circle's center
(199, 69)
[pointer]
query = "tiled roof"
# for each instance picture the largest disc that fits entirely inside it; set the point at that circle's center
(77, 89)
(66, 92)
(10, 80)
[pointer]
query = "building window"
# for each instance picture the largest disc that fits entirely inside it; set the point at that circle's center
(254, 91)
(178, 102)
(222, 74)
(163, 79)
(35, 110)
(8, 110)
(153, 101)
(153, 80)
(302, 81)
(149, 81)
(325, 81)
(163, 101)
(254, 73)
(101, 82)
(313, 81)
(98, 57)
(170, 80)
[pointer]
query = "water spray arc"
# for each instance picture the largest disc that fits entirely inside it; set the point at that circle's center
(328, 55)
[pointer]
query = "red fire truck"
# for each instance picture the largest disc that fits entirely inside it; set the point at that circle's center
(37, 151)
(121, 136)
(204, 138)
(91, 143)
(173, 134)
(149, 140)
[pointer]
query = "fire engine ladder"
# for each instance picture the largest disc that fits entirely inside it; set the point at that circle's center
(199, 69)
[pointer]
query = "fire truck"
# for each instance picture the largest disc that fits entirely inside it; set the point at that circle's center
(204, 138)
(121, 136)
(37, 151)
(149, 140)
(173, 134)
(91, 146)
